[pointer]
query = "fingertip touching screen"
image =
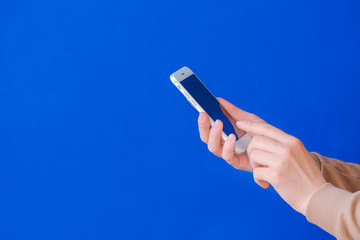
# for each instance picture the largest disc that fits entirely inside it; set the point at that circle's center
(211, 105)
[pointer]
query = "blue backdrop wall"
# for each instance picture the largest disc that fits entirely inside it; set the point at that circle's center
(96, 143)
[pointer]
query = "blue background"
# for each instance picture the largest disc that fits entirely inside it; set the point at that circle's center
(96, 143)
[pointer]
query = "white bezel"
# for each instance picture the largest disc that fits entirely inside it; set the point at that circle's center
(183, 73)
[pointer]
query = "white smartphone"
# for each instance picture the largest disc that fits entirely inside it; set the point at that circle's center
(204, 101)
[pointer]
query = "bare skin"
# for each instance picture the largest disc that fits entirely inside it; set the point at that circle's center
(273, 156)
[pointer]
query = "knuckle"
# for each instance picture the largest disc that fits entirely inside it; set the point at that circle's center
(212, 132)
(257, 181)
(253, 165)
(250, 148)
(225, 156)
(253, 116)
(255, 172)
(227, 152)
(276, 178)
(266, 126)
(295, 142)
(253, 154)
(277, 165)
(213, 149)
(210, 148)
(286, 151)
(255, 139)
(202, 124)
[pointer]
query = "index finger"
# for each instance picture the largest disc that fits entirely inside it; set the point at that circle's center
(264, 129)
(237, 113)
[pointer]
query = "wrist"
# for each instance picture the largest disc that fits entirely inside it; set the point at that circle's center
(314, 188)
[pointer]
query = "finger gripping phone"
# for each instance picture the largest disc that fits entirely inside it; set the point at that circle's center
(204, 101)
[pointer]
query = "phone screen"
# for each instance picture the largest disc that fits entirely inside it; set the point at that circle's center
(211, 105)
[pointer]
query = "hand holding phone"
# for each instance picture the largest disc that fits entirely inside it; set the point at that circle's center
(204, 101)
(221, 137)
(225, 149)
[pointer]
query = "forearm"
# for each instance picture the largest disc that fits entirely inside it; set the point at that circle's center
(340, 174)
(336, 211)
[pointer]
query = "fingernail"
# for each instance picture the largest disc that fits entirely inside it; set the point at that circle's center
(217, 124)
(240, 123)
(231, 138)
